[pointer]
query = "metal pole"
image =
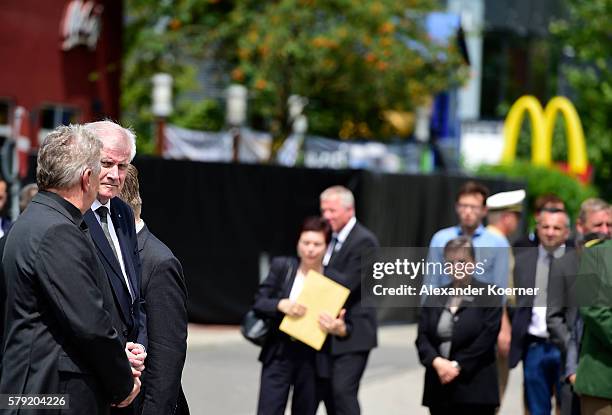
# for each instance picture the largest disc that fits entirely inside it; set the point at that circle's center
(236, 144)
(160, 138)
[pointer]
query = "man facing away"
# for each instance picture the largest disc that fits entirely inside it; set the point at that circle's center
(165, 295)
(593, 380)
(594, 223)
(350, 240)
(60, 337)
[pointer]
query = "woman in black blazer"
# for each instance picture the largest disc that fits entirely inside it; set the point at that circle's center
(288, 362)
(456, 342)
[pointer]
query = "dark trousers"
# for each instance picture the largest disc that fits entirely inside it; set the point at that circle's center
(341, 397)
(570, 402)
(541, 370)
(462, 409)
(295, 366)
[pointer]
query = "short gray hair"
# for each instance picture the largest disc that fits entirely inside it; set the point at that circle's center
(344, 194)
(101, 128)
(65, 154)
(591, 205)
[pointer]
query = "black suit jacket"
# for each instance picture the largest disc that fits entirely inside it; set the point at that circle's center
(275, 287)
(347, 261)
(525, 265)
(130, 319)
(60, 337)
(561, 309)
(472, 345)
(165, 295)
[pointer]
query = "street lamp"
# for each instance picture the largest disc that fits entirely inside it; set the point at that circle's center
(162, 106)
(299, 122)
(236, 108)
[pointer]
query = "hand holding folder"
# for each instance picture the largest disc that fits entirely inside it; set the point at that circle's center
(319, 294)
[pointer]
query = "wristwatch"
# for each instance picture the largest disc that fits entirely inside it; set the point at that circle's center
(455, 364)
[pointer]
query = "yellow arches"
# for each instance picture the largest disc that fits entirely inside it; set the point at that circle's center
(542, 126)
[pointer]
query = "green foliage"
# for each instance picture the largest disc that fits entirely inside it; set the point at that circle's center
(205, 115)
(156, 41)
(353, 59)
(542, 180)
(585, 35)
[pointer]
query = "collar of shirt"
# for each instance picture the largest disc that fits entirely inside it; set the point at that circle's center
(140, 225)
(479, 230)
(557, 253)
(344, 232)
(74, 212)
(96, 204)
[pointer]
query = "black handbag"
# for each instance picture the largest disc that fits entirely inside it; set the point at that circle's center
(256, 329)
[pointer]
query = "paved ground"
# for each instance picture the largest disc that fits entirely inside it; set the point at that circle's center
(221, 374)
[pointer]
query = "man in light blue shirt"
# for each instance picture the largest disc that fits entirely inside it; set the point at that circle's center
(492, 250)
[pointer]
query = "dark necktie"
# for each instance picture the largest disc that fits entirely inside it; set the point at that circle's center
(102, 211)
(331, 250)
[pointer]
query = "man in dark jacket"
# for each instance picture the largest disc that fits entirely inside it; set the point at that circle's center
(59, 334)
(111, 223)
(350, 240)
(165, 294)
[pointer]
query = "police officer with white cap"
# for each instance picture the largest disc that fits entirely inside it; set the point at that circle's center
(504, 216)
(505, 210)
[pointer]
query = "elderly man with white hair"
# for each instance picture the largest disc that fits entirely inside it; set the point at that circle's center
(111, 223)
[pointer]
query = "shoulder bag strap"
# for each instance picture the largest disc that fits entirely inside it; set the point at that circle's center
(289, 264)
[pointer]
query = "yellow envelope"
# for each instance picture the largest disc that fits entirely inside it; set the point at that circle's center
(318, 294)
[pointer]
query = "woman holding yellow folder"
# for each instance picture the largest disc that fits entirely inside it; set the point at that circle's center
(288, 362)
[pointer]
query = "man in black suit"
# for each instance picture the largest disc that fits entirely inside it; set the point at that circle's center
(59, 334)
(165, 295)
(111, 223)
(349, 354)
(531, 341)
(594, 222)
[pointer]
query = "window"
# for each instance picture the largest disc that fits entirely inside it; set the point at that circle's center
(51, 116)
(6, 107)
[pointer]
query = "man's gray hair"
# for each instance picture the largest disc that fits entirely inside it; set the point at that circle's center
(108, 127)
(344, 194)
(65, 154)
(591, 205)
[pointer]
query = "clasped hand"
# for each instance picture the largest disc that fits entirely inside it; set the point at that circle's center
(136, 355)
(445, 369)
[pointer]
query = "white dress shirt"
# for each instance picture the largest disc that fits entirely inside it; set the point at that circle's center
(340, 238)
(538, 326)
(298, 285)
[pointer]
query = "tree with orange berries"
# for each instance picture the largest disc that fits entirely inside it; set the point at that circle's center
(353, 59)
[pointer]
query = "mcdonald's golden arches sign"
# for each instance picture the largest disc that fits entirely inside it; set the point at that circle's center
(542, 127)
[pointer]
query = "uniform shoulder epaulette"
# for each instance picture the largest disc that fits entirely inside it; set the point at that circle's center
(593, 242)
